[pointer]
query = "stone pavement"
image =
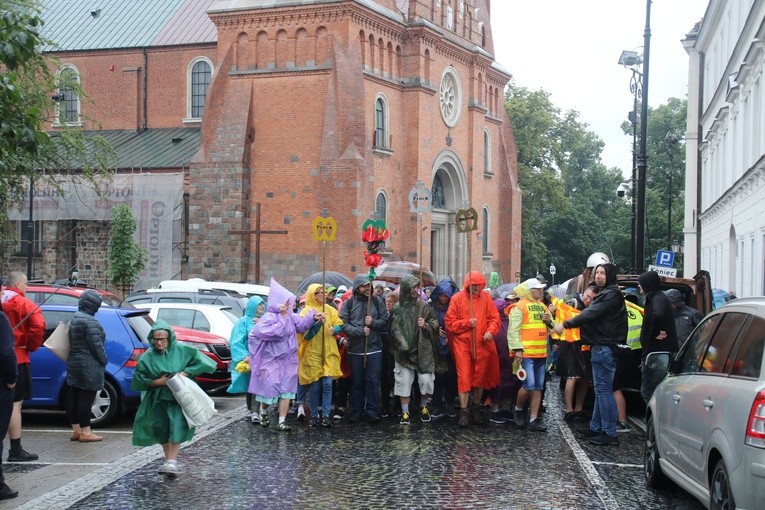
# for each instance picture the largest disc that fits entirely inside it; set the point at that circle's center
(234, 464)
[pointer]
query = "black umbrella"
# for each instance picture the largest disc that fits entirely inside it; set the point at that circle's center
(331, 278)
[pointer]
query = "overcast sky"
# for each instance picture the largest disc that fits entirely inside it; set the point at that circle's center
(571, 49)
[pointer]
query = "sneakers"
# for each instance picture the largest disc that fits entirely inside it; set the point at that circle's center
(536, 426)
(338, 414)
(622, 426)
(464, 420)
(24, 456)
(437, 413)
(301, 413)
(604, 440)
(588, 432)
(384, 412)
(479, 417)
(7, 493)
(497, 417)
(264, 420)
(283, 427)
(519, 418)
(424, 414)
(254, 417)
(404, 418)
(326, 422)
(170, 468)
(313, 422)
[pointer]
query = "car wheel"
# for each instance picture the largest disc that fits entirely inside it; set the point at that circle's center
(720, 495)
(106, 407)
(654, 477)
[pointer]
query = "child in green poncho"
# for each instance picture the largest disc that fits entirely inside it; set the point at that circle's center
(159, 419)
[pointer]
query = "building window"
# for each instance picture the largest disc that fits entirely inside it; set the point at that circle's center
(29, 235)
(382, 133)
(381, 206)
(485, 231)
(487, 153)
(69, 99)
(200, 75)
(450, 97)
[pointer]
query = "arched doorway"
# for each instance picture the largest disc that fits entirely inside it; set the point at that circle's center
(449, 187)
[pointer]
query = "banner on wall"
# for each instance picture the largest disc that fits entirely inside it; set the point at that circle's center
(155, 199)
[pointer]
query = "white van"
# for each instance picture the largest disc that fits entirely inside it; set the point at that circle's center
(194, 284)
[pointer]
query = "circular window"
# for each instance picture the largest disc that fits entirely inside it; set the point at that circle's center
(450, 97)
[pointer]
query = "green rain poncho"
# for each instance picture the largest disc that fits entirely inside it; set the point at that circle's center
(413, 347)
(159, 418)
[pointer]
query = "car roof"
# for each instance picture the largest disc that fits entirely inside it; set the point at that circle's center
(184, 306)
(69, 290)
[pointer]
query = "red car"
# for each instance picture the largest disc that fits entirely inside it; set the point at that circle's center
(54, 294)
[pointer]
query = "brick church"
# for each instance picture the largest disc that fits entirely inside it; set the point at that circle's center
(235, 123)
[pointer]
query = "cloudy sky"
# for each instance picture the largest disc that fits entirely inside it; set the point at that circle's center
(571, 49)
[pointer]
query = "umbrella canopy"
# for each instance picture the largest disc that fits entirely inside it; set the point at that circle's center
(503, 289)
(331, 278)
(392, 272)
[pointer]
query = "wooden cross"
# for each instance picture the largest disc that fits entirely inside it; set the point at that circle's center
(258, 232)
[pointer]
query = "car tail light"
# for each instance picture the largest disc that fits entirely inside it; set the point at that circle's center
(755, 428)
(133, 360)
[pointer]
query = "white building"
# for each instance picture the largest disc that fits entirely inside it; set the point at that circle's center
(725, 161)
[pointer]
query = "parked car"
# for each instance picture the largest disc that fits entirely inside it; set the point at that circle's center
(126, 329)
(192, 284)
(54, 294)
(236, 301)
(705, 424)
(214, 319)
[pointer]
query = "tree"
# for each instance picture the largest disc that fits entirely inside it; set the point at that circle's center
(27, 152)
(127, 258)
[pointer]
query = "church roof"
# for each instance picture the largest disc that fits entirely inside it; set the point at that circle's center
(151, 148)
(73, 25)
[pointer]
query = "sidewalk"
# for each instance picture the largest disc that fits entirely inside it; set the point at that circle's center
(70, 471)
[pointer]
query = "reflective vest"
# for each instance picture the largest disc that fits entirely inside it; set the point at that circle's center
(533, 330)
(564, 311)
(634, 325)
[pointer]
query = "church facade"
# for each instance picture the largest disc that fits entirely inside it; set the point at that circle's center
(296, 109)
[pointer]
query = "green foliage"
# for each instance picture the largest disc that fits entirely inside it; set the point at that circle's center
(27, 152)
(127, 257)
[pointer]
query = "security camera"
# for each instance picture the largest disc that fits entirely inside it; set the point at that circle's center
(620, 192)
(623, 189)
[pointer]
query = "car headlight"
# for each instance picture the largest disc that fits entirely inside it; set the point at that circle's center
(196, 345)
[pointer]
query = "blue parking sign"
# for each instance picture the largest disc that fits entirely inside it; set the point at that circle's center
(665, 258)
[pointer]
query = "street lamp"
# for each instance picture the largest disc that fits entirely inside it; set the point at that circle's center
(639, 88)
(671, 142)
(632, 60)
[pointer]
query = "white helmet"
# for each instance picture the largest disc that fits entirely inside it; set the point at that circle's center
(597, 258)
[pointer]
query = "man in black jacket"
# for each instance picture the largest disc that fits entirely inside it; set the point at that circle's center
(603, 325)
(8, 372)
(364, 319)
(658, 332)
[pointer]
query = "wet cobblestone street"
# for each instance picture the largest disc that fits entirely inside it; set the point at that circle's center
(386, 465)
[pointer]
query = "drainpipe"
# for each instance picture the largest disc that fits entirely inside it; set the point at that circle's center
(145, 89)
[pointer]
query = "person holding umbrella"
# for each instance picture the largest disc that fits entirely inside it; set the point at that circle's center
(472, 321)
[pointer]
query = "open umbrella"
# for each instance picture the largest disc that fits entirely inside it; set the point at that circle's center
(503, 289)
(331, 278)
(393, 272)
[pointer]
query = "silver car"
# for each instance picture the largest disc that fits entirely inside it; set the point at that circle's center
(705, 424)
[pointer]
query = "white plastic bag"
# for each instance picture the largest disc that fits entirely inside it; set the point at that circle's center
(58, 341)
(196, 405)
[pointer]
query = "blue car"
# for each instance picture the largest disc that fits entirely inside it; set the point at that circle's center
(125, 330)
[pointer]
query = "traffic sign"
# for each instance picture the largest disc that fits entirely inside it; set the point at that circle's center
(665, 258)
(552, 269)
(664, 271)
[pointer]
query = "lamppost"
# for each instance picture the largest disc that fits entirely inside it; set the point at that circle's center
(671, 142)
(632, 61)
(642, 158)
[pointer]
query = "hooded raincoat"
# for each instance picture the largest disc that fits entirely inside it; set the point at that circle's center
(657, 317)
(159, 418)
(483, 372)
(414, 347)
(87, 357)
(238, 344)
(273, 347)
(320, 356)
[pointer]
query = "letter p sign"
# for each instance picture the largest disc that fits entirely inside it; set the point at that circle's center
(665, 258)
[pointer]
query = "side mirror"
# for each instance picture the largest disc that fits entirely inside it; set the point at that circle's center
(658, 361)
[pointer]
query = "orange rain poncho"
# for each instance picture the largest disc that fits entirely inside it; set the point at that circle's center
(483, 372)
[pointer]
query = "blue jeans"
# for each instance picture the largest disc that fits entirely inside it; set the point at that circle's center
(365, 385)
(321, 388)
(603, 369)
(302, 391)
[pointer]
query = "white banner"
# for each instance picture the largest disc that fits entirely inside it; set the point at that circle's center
(155, 199)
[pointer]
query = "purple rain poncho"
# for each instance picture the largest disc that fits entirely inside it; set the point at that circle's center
(273, 346)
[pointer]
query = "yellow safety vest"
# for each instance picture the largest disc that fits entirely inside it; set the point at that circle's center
(533, 330)
(634, 325)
